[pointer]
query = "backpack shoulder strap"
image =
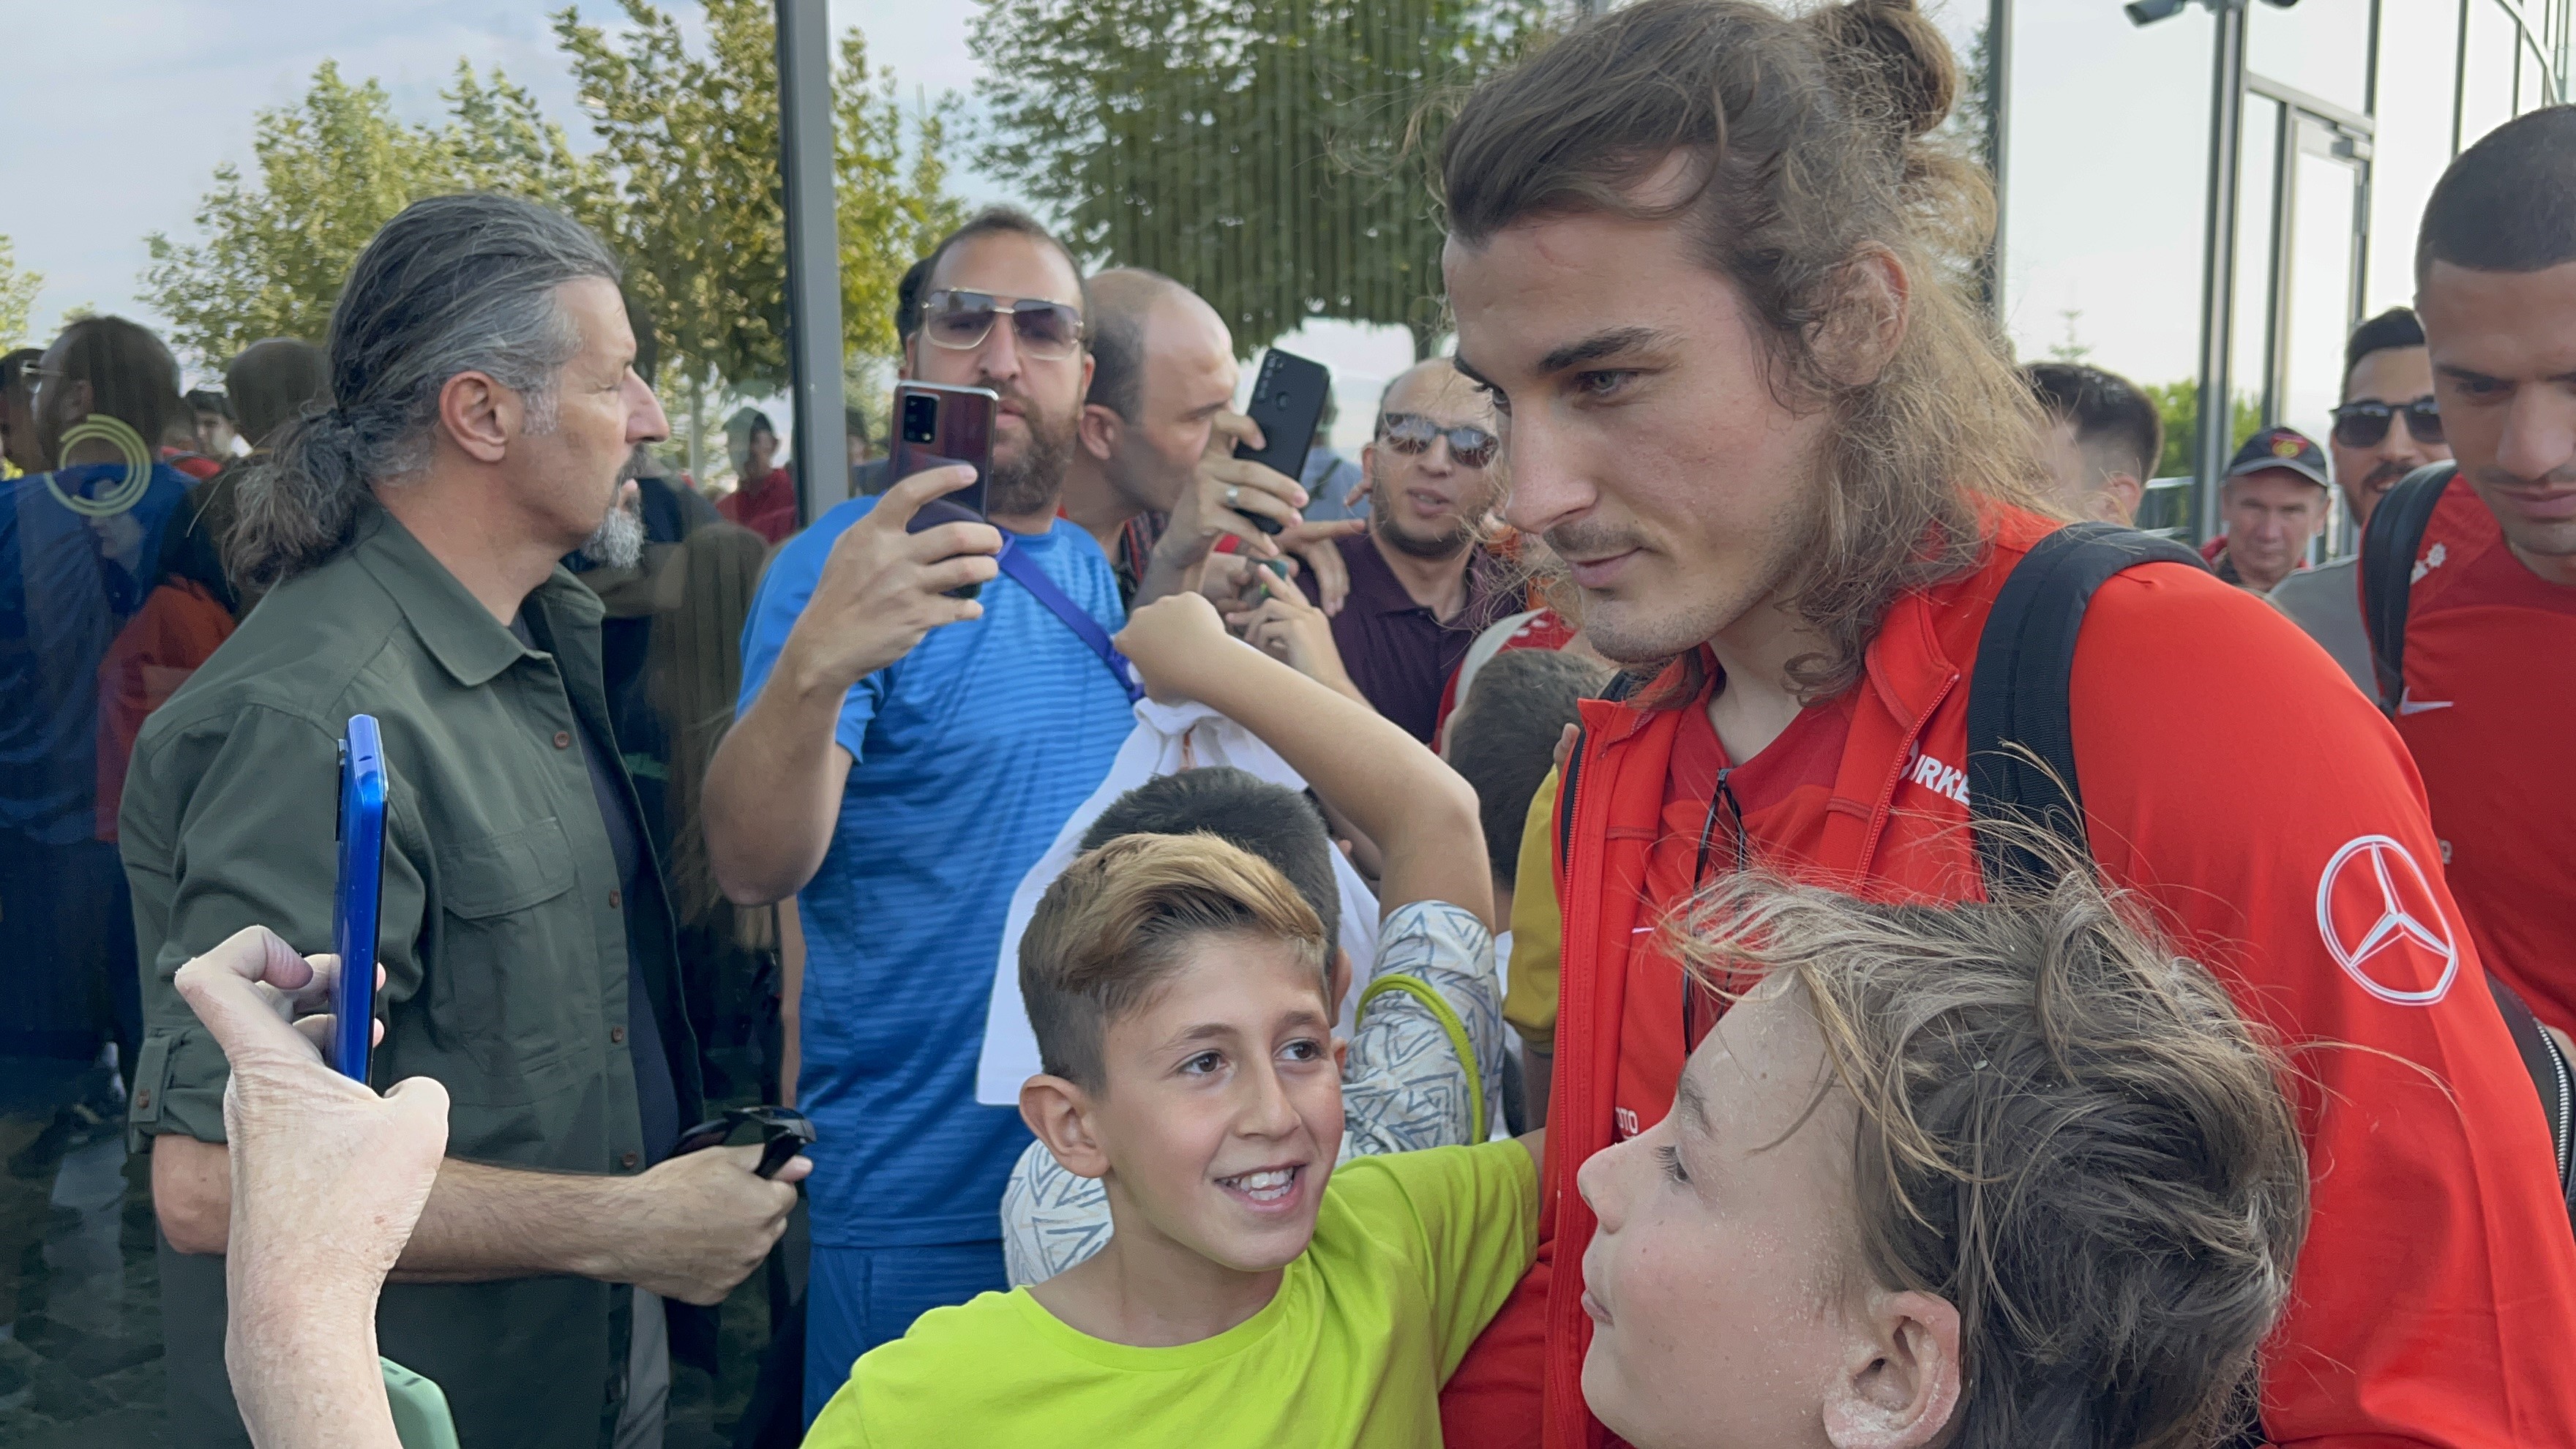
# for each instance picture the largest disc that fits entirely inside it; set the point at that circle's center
(2388, 548)
(2550, 1072)
(2021, 739)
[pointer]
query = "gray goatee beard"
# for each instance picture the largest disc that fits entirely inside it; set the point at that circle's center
(618, 542)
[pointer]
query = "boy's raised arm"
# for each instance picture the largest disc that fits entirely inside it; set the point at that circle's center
(1422, 816)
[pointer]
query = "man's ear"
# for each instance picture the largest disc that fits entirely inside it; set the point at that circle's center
(1865, 317)
(1899, 1385)
(1337, 980)
(479, 415)
(1098, 428)
(2118, 498)
(1059, 1113)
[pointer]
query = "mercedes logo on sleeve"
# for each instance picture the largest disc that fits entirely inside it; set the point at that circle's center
(2382, 920)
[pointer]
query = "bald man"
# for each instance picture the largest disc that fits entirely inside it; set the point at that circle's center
(1153, 476)
(1422, 586)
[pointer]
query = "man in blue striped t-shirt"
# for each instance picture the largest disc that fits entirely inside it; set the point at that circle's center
(900, 759)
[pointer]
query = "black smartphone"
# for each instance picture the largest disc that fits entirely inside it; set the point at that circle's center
(1287, 402)
(939, 426)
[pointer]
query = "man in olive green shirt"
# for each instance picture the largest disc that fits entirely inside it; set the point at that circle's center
(484, 406)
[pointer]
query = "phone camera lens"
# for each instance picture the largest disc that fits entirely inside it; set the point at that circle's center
(920, 419)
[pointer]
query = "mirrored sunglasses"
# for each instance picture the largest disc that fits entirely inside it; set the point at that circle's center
(1473, 447)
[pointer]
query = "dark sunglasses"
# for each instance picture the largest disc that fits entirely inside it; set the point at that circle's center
(1473, 447)
(1048, 331)
(2363, 424)
(784, 1132)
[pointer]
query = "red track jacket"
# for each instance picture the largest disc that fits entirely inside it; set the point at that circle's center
(2234, 777)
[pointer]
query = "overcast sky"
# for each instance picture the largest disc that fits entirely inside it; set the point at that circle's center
(128, 106)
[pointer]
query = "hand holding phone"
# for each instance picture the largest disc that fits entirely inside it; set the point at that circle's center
(937, 426)
(1287, 404)
(357, 900)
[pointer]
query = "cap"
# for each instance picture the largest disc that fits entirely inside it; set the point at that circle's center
(2280, 448)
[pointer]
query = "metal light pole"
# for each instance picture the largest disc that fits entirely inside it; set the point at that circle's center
(2218, 260)
(1998, 104)
(813, 254)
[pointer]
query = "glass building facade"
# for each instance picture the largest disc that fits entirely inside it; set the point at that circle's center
(2217, 197)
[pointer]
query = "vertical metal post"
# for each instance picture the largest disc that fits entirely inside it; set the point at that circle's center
(2460, 79)
(1998, 102)
(2285, 232)
(813, 254)
(2218, 259)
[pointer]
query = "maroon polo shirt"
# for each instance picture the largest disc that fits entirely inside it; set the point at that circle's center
(1397, 651)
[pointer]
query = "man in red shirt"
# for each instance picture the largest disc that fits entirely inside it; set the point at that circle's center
(1788, 471)
(765, 500)
(2490, 654)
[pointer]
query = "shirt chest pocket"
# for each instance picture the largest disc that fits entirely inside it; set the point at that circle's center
(516, 972)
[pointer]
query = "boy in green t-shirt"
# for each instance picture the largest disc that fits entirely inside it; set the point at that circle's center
(1177, 987)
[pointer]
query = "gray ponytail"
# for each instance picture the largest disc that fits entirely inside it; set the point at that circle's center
(454, 284)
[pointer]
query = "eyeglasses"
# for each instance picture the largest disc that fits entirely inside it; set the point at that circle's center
(784, 1132)
(1409, 433)
(1047, 331)
(2363, 424)
(31, 374)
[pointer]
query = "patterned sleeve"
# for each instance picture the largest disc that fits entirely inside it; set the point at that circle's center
(1426, 1062)
(1051, 1219)
(1425, 1070)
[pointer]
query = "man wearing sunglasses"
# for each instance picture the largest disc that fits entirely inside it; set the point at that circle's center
(1422, 587)
(899, 759)
(2387, 427)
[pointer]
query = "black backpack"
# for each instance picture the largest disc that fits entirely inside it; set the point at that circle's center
(2018, 698)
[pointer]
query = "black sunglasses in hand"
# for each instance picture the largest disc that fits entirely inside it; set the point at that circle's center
(784, 1132)
(1472, 446)
(2363, 424)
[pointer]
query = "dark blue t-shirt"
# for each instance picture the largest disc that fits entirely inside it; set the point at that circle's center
(971, 752)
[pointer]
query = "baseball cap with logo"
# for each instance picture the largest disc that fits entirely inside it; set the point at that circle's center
(2280, 448)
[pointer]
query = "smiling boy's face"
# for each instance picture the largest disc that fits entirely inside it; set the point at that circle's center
(1221, 1112)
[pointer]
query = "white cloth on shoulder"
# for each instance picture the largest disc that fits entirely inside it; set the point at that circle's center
(1168, 739)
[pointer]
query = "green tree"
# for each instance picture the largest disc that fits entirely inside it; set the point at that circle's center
(1263, 153)
(2178, 403)
(690, 142)
(17, 296)
(330, 171)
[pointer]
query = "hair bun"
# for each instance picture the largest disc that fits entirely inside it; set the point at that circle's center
(1897, 60)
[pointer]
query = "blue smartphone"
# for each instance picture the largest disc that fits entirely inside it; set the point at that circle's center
(354, 904)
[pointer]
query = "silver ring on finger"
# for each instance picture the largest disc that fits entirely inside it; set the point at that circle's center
(1233, 495)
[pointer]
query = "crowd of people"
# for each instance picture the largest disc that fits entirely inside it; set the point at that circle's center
(1517, 933)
